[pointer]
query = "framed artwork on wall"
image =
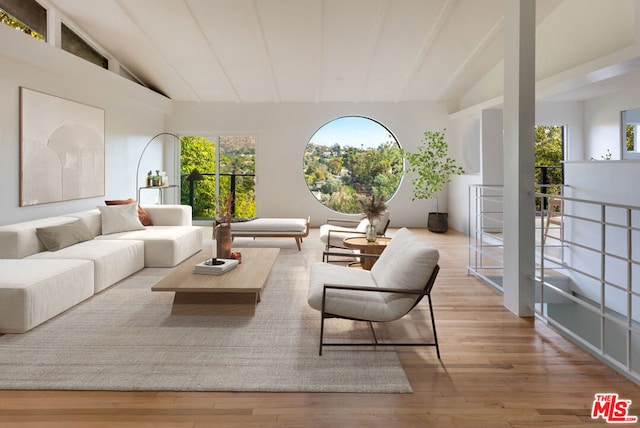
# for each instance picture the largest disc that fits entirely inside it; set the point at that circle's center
(61, 149)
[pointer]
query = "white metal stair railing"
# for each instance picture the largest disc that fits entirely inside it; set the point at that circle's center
(587, 281)
(592, 293)
(485, 245)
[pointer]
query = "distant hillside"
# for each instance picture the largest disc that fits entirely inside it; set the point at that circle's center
(238, 144)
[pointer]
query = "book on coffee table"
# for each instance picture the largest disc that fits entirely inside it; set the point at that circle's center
(207, 268)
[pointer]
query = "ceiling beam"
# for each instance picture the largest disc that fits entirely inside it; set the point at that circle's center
(262, 44)
(150, 40)
(225, 72)
(377, 29)
(491, 35)
(441, 20)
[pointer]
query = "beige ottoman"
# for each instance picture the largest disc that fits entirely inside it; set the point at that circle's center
(33, 291)
(296, 228)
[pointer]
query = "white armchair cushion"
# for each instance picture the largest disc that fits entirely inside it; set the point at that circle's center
(334, 234)
(406, 263)
(341, 302)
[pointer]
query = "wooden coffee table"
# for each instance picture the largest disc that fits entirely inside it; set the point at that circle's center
(366, 247)
(236, 292)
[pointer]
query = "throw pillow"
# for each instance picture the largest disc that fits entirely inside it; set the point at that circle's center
(119, 218)
(55, 238)
(143, 216)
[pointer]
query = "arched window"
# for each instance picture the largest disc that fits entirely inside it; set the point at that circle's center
(351, 158)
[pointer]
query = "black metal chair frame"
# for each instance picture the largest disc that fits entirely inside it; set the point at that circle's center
(419, 293)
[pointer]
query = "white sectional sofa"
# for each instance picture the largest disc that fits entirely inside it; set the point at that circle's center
(37, 284)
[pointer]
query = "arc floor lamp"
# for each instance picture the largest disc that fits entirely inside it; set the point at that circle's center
(177, 139)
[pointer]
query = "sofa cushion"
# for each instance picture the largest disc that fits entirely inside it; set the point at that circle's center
(119, 218)
(143, 216)
(33, 291)
(56, 237)
(91, 218)
(113, 259)
(169, 215)
(20, 240)
(164, 246)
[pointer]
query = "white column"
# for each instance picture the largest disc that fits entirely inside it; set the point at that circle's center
(519, 156)
(54, 32)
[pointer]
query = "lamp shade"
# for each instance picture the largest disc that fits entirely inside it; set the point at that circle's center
(195, 176)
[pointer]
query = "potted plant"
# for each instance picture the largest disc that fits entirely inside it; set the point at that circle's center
(434, 169)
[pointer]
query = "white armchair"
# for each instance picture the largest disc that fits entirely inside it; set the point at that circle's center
(335, 231)
(404, 273)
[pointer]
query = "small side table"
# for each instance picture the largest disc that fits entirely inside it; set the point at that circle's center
(160, 190)
(366, 247)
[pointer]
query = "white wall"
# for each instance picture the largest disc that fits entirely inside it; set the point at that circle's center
(132, 115)
(602, 119)
(283, 131)
(570, 115)
(613, 182)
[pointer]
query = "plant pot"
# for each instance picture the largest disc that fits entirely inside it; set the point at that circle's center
(223, 240)
(438, 222)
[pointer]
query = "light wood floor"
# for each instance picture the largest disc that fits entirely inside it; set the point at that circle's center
(497, 370)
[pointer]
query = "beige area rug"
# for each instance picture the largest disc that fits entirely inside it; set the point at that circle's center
(126, 339)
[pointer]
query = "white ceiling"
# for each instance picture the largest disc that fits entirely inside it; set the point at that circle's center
(300, 50)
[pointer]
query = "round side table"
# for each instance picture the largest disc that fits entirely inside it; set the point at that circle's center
(366, 247)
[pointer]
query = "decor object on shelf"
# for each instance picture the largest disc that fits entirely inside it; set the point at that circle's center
(157, 178)
(434, 169)
(372, 210)
(61, 149)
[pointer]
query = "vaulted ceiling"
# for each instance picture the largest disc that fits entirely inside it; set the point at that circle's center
(300, 50)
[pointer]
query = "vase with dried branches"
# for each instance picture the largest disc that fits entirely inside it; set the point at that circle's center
(223, 227)
(372, 210)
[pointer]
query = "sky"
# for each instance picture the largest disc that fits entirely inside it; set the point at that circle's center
(352, 131)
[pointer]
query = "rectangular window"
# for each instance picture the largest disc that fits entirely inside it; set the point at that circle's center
(25, 15)
(549, 152)
(227, 166)
(74, 44)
